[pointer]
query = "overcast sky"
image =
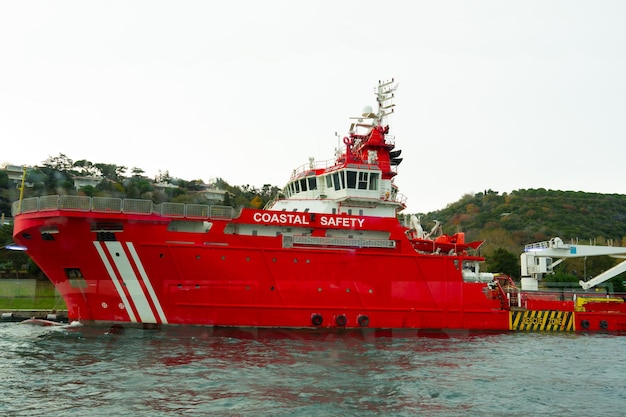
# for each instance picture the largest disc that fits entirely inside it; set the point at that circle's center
(499, 95)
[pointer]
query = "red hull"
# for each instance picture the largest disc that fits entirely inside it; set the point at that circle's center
(234, 280)
(149, 274)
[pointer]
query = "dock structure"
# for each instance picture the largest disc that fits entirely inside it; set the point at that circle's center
(20, 315)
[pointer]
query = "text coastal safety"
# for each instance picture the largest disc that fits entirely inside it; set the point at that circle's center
(304, 219)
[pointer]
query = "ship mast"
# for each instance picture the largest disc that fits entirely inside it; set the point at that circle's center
(384, 95)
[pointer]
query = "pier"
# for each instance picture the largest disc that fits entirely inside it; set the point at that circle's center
(21, 315)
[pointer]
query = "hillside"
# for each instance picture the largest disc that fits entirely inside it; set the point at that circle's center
(526, 216)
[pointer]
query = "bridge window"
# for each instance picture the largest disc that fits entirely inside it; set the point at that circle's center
(351, 177)
(373, 184)
(303, 184)
(336, 181)
(312, 183)
(363, 180)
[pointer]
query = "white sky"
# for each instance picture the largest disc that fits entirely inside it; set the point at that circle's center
(498, 95)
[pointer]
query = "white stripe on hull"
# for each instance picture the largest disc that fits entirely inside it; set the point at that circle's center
(136, 293)
(146, 281)
(116, 282)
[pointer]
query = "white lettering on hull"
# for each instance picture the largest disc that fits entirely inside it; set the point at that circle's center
(303, 219)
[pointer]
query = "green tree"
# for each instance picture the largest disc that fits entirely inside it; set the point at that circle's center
(503, 261)
(12, 261)
(87, 168)
(59, 163)
(89, 190)
(5, 195)
(112, 172)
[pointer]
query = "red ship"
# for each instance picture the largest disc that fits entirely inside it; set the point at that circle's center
(332, 252)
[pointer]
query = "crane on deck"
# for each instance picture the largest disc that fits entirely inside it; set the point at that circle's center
(536, 261)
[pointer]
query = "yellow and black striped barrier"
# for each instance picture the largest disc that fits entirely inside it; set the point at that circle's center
(542, 321)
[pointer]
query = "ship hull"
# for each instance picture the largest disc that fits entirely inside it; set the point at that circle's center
(145, 273)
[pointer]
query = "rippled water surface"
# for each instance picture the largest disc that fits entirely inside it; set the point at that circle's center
(202, 371)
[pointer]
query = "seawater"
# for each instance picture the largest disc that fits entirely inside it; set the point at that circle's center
(196, 371)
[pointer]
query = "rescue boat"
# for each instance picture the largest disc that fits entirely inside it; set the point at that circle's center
(333, 252)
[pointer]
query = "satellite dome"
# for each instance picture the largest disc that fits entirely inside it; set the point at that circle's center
(368, 112)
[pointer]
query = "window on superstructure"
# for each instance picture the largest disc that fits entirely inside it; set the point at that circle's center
(297, 185)
(373, 184)
(363, 180)
(351, 177)
(303, 184)
(336, 181)
(312, 183)
(329, 181)
(342, 178)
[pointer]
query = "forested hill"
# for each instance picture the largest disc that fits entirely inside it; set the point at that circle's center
(511, 220)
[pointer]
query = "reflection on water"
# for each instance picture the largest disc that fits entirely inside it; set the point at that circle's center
(205, 371)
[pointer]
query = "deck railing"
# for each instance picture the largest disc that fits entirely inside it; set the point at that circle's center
(121, 205)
